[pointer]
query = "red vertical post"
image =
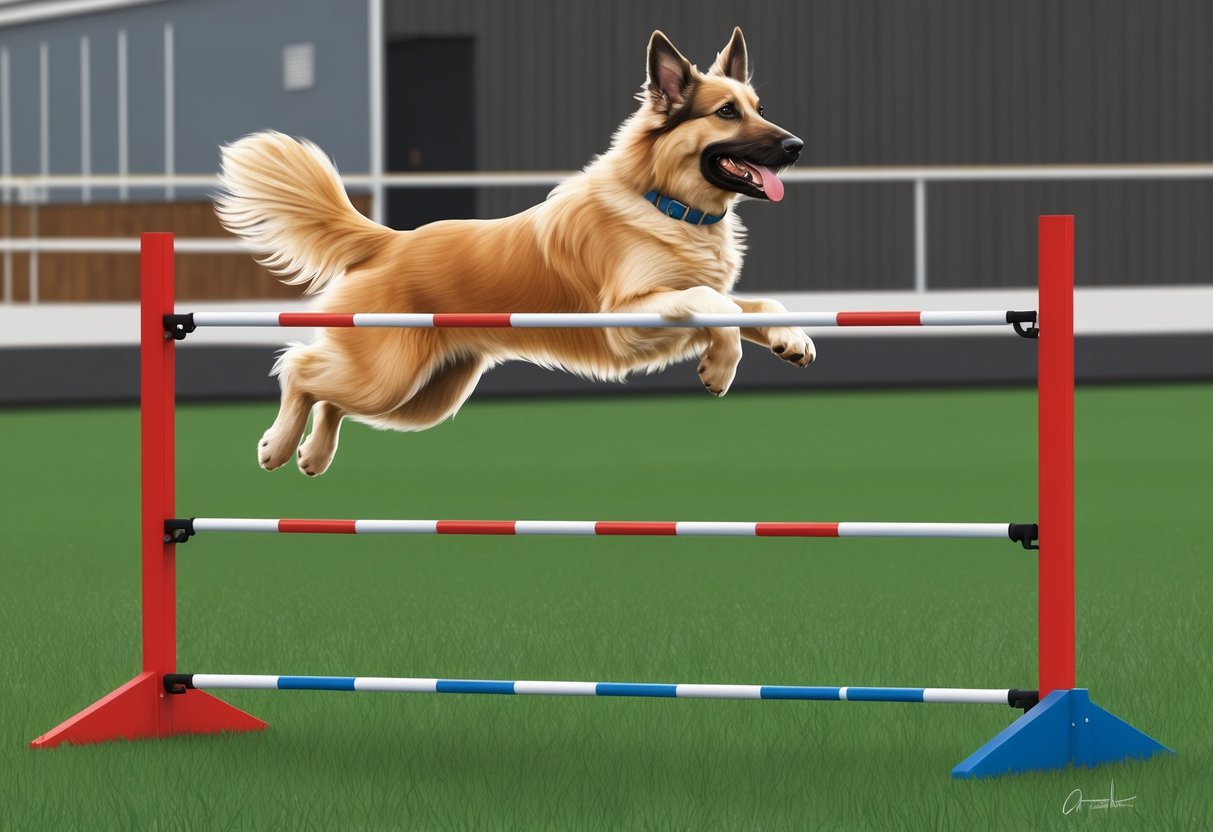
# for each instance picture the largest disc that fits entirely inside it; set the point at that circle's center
(141, 707)
(157, 393)
(1055, 465)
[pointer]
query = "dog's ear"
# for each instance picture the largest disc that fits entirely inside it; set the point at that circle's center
(733, 61)
(670, 75)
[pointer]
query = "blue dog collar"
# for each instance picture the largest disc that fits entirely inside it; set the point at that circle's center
(673, 208)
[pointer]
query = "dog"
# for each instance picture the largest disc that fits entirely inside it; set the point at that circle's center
(647, 226)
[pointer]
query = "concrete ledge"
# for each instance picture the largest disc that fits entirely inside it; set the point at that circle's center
(75, 375)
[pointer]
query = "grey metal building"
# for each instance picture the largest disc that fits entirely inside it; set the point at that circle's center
(190, 74)
(154, 86)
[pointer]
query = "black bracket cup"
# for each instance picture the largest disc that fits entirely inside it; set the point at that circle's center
(176, 327)
(1018, 319)
(1025, 700)
(178, 683)
(1025, 533)
(178, 530)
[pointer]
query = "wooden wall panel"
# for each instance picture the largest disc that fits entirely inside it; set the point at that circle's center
(115, 277)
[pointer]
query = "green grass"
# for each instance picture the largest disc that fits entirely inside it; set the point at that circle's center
(918, 613)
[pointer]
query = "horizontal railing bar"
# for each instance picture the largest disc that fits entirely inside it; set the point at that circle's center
(530, 320)
(120, 245)
(175, 682)
(601, 528)
(545, 178)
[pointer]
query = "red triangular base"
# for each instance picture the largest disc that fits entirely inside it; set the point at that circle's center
(141, 709)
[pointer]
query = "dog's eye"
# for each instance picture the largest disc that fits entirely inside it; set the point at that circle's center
(727, 111)
(760, 109)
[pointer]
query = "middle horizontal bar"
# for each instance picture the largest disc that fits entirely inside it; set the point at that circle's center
(602, 528)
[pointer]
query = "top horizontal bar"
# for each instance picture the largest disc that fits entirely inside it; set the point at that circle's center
(585, 320)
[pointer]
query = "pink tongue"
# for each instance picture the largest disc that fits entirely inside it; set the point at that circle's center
(770, 183)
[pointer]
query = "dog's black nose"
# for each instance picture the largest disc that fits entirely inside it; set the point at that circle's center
(792, 146)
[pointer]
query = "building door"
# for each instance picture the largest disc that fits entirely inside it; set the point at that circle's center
(430, 126)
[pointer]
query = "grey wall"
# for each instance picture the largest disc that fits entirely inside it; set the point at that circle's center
(228, 82)
(864, 82)
(886, 82)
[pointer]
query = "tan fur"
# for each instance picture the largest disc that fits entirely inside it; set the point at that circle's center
(594, 245)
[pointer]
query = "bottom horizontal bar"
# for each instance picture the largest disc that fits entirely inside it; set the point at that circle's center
(217, 681)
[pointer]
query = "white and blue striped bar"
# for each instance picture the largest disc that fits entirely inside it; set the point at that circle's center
(966, 696)
(586, 320)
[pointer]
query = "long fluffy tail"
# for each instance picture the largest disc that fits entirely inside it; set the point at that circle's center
(284, 197)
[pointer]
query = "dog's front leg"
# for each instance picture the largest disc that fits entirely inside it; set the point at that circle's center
(787, 342)
(722, 346)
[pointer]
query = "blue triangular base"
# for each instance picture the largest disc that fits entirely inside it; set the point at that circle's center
(1066, 728)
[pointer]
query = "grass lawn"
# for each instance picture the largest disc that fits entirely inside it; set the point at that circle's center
(772, 611)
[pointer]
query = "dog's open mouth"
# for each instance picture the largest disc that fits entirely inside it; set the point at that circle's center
(759, 177)
(744, 176)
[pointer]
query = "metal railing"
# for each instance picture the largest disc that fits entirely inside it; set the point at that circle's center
(34, 190)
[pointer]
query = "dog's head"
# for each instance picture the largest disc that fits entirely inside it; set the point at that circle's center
(709, 138)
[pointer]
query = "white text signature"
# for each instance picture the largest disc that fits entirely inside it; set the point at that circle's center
(1075, 802)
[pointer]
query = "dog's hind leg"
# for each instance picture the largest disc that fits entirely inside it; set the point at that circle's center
(365, 374)
(279, 442)
(441, 397)
(316, 452)
(396, 379)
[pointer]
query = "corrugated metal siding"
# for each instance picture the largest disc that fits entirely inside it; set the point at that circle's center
(228, 82)
(1126, 232)
(876, 82)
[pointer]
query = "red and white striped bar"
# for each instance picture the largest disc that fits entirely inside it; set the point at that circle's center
(604, 528)
(587, 320)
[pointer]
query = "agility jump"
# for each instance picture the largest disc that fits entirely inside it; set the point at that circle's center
(1060, 725)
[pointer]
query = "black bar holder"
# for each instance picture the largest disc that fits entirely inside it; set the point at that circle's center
(1025, 533)
(179, 683)
(1025, 700)
(178, 530)
(176, 327)
(1018, 319)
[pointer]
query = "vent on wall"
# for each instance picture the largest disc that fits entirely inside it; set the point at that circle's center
(298, 66)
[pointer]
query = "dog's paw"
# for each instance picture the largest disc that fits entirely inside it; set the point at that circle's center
(792, 345)
(270, 453)
(314, 457)
(717, 370)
